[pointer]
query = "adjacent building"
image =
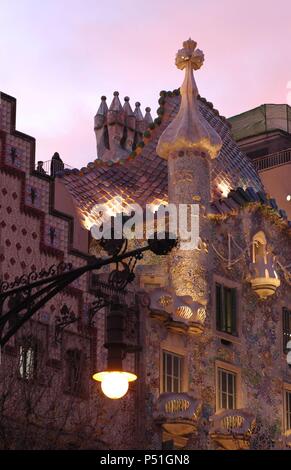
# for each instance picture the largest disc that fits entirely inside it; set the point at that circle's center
(264, 134)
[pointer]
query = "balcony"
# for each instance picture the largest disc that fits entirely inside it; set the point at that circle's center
(232, 429)
(177, 413)
(179, 314)
(272, 160)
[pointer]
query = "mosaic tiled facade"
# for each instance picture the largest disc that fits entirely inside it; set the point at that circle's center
(211, 356)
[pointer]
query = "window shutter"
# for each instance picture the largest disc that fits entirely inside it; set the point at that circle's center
(233, 311)
(286, 327)
(218, 307)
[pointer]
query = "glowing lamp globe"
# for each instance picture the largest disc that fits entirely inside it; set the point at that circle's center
(114, 384)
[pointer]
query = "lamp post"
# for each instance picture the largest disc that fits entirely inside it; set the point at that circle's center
(114, 380)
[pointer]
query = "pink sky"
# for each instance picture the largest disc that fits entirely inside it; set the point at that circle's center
(57, 58)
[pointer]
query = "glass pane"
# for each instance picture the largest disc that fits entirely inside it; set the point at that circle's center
(218, 307)
(233, 310)
(169, 364)
(175, 385)
(171, 372)
(234, 390)
(176, 366)
(230, 384)
(223, 382)
(169, 384)
(230, 402)
(227, 389)
(227, 296)
(164, 372)
(223, 400)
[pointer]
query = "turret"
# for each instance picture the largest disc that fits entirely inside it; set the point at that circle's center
(148, 117)
(119, 129)
(100, 128)
(129, 130)
(116, 122)
(188, 144)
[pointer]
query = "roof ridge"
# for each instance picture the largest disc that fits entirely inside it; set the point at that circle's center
(147, 134)
(239, 198)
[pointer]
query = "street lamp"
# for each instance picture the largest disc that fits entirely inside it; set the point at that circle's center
(114, 384)
(114, 380)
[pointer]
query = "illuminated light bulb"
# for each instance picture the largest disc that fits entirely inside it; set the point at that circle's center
(288, 197)
(114, 384)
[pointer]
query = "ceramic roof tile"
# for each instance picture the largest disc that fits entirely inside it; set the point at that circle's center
(145, 177)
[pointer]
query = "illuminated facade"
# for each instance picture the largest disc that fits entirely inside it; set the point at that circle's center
(206, 329)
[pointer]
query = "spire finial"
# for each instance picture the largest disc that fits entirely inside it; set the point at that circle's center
(189, 55)
(115, 105)
(189, 130)
(148, 117)
(137, 112)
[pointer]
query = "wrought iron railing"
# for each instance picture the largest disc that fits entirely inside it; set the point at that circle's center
(272, 160)
(46, 168)
(233, 422)
(177, 406)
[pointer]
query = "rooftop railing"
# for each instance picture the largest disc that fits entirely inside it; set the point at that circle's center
(272, 160)
(51, 167)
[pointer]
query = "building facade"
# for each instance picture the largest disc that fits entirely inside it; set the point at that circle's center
(206, 328)
(264, 134)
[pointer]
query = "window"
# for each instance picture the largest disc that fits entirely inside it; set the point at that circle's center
(172, 372)
(27, 361)
(226, 389)
(286, 328)
(74, 371)
(288, 409)
(226, 309)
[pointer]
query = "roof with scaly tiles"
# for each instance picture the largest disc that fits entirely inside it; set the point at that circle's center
(141, 176)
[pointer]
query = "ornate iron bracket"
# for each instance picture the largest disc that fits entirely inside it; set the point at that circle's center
(22, 298)
(66, 317)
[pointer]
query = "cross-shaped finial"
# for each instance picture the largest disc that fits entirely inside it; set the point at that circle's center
(189, 54)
